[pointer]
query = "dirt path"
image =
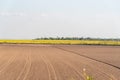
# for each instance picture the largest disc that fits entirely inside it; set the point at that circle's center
(53, 62)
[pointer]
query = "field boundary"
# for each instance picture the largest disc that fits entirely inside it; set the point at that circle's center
(88, 57)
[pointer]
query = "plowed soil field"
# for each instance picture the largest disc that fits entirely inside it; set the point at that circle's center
(59, 62)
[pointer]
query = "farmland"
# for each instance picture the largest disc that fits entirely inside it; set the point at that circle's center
(84, 42)
(59, 62)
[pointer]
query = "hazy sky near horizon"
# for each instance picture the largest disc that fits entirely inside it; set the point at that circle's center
(28, 19)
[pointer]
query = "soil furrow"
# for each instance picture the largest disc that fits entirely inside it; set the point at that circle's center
(51, 68)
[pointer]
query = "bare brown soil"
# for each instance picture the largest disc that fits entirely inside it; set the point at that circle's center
(59, 62)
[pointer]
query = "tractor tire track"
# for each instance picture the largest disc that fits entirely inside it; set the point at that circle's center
(90, 66)
(49, 74)
(25, 70)
(4, 66)
(51, 69)
(26, 62)
(22, 71)
(87, 57)
(101, 71)
(98, 69)
(73, 67)
(80, 73)
(64, 61)
(29, 66)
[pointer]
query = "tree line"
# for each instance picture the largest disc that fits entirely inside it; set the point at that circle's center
(75, 38)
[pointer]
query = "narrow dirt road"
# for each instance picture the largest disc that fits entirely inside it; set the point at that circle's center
(58, 62)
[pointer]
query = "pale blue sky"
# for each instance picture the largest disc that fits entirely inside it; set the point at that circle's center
(28, 19)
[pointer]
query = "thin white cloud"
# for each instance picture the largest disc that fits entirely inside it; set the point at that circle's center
(12, 14)
(31, 14)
